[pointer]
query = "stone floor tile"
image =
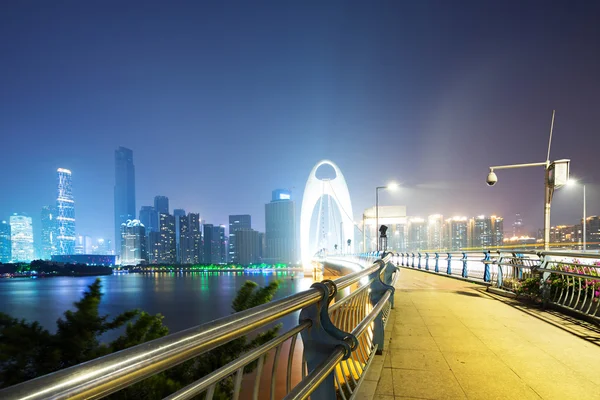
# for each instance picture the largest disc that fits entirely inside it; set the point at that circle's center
(468, 363)
(503, 386)
(449, 331)
(386, 384)
(418, 359)
(413, 343)
(366, 391)
(408, 330)
(461, 345)
(425, 385)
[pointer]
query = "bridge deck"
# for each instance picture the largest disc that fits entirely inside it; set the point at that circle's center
(450, 339)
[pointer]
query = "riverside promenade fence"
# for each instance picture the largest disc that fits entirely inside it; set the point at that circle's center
(341, 328)
(565, 280)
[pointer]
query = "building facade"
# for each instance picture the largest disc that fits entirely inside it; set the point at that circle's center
(133, 243)
(215, 251)
(124, 191)
(167, 249)
(65, 214)
(247, 246)
(161, 204)
(5, 242)
(417, 234)
(21, 237)
(435, 232)
(149, 218)
(280, 228)
(237, 222)
(457, 233)
(48, 245)
(190, 248)
(179, 213)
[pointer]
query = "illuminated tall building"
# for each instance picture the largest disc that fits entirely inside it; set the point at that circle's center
(457, 229)
(65, 214)
(177, 213)
(497, 231)
(214, 244)
(49, 233)
(133, 243)
(518, 226)
(237, 222)
(21, 236)
(167, 249)
(190, 239)
(280, 228)
(124, 191)
(417, 234)
(486, 232)
(5, 242)
(435, 232)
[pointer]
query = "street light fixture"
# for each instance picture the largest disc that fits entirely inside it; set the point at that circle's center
(557, 175)
(573, 182)
(390, 186)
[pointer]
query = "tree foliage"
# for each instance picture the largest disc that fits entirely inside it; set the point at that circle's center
(28, 351)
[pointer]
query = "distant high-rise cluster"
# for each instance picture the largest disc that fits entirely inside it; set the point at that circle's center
(434, 233)
(21, 229)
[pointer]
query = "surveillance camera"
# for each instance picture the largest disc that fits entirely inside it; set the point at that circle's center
(491, 178)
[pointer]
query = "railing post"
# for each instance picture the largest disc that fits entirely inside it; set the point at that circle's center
(322, 338)
(449, 268)
(437, 262)
(500, 273)
(419, 260)
(465, 272)
(545, 276)
(426, 261)
(413, 260)
(486, 267)
(378, 289)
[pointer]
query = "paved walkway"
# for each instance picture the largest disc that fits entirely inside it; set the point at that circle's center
(450, 339)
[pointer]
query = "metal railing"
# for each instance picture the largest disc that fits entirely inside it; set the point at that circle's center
(567, 280)
(339, 335)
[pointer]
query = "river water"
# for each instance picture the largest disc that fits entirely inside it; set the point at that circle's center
(185, 299)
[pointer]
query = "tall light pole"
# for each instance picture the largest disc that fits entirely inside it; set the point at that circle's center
(557, 175)
(390, 186)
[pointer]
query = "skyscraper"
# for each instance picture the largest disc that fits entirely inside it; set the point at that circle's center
(149, 218)
(214, 244)
(435, 232)
(5, 242)
(518, 226)
(280, 228)
(237, 222)
(133, 242)
(182, 231)
(167, 249)
(65, 214)
(417, 234)
(161, 204)
(21, 238)
(124, 191)
(497, 231)
(49, 228)
(457, 233)
(247, 246)
(178, 212)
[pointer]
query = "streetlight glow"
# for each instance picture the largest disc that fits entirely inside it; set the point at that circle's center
(392, 186)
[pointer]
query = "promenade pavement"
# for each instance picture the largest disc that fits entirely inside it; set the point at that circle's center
(450, 339)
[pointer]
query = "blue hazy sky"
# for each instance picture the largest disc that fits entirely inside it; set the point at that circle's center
(223, 102)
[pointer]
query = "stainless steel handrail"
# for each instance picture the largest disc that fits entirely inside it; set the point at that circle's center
(105, 375)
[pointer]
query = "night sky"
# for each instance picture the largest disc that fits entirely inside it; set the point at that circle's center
(222, 103)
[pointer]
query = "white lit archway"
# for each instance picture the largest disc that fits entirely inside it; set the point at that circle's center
(314, 190)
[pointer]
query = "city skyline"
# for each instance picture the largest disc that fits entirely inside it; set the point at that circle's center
(362, 75)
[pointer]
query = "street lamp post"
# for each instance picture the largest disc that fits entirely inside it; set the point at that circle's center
(557, 174)
(390, 186)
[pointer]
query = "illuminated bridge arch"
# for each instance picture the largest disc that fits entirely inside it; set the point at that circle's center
(315, 190)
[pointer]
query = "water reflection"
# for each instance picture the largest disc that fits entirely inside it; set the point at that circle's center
(185, 299)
